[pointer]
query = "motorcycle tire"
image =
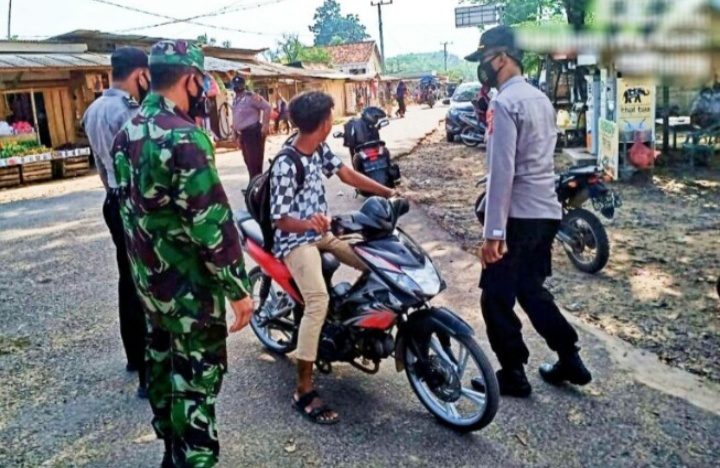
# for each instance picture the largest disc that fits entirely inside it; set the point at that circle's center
(262, 332)
(450, 137)
(594, 228)
(468, 142)
(492, 390)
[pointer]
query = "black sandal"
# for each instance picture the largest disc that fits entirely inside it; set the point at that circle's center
(315, 415)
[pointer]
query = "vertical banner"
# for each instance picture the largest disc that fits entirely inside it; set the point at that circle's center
(609, 148)
(636, 110)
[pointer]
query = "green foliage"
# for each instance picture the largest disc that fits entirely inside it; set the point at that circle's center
(205, 40)
(291, 49)
(331, 27)
(522, 11)
(432, 61)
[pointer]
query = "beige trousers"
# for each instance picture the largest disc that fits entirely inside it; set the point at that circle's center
(305, 265)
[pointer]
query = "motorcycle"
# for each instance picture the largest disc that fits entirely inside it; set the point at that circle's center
(368, 152)
(473, 132)
(581, 233)
(385, 313)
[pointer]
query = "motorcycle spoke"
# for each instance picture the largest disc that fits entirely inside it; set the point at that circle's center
(464, 356)
(437, 347)
(451, 409)
(472, 395)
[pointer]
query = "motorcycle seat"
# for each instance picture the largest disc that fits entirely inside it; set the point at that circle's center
(330, 264)
(589, 169)
(249, 227)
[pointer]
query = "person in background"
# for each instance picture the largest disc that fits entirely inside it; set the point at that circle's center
(521, 216)
(184, 253)
(388, 99)
(251, 122)
(400, 94)
(282, 110)
(102, 121)
(302, 232)
(481, 103)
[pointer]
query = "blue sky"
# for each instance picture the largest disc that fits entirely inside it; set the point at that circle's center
(410, 25)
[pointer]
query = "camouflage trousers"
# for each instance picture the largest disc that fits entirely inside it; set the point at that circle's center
(185, 373)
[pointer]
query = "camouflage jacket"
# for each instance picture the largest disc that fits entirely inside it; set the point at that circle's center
(183, 246)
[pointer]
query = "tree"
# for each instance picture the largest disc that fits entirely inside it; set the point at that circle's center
(290, 49)
(523, 11)
(204, 40)
(331, 27)
(227, 44)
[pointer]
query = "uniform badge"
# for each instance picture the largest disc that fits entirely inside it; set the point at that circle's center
(131, 102)
(489, 118)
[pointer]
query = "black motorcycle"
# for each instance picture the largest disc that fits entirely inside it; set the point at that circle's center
(385, 313)
(581, 233)
(368, 152)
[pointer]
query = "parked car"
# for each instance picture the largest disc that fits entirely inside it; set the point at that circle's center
(460, 103)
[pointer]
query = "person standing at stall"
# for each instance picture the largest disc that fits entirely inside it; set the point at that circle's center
(251, 122)
(184, 253)
(102, 121)
(521, 216)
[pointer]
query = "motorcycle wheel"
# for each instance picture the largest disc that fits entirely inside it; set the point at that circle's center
(470, 143)
(450, 137)
(588, 234)
(451, 392)
(269, 298)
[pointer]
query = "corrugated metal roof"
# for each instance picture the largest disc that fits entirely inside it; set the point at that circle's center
(24, 61)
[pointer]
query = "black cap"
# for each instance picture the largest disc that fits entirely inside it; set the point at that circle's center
(128, 58)
(498, 39)
(238, 80)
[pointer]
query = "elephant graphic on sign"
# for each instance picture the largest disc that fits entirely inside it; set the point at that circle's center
(634, 95)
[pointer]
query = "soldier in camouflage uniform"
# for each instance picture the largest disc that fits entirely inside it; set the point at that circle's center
(184, 253)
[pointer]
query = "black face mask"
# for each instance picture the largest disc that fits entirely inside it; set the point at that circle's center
(487, 74)
(142, 92)
(197, 104)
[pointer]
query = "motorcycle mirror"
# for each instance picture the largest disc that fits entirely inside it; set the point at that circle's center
(400, 206)
(338, 135)
(383, 123)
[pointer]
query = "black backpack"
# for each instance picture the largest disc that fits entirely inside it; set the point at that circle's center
(258, 195)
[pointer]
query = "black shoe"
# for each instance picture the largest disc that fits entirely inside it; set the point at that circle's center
(142, 392)
(131, 367)
(513, 383)
(570, 369)
(167, 461)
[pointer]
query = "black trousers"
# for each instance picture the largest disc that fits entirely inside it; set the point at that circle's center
(252, 144)
(520, 276)
(133, 329)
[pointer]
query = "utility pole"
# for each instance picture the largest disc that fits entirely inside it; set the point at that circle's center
(445, 44)
(379, 4)
(9, 18)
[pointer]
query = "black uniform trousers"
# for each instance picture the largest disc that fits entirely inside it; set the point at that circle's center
(520, 275)
(133, 328)
(252, 144)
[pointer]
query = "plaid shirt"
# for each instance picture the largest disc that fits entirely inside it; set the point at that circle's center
(287, 200)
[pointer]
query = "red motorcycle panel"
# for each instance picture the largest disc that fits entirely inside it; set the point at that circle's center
(274, 268)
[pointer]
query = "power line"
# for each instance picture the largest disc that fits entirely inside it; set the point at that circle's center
(190, 20)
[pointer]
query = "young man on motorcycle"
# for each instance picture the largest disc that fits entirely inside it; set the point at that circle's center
(521, 218)
(302, 232)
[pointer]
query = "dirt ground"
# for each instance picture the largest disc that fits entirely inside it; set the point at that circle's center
(658, 289)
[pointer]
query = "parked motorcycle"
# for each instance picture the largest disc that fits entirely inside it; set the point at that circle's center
(385, 313)
(581, 233)
(368, 152)
(473, 132)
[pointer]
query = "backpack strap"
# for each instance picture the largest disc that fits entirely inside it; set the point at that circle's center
(296, 158)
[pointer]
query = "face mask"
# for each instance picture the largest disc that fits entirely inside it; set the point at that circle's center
(197, 103)
(142, 92)
(487, 74)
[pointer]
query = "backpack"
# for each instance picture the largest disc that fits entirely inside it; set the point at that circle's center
(258, 195)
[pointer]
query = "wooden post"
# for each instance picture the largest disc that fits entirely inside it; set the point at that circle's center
(34, 109)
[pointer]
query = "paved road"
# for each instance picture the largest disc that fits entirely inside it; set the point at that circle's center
(66, 400)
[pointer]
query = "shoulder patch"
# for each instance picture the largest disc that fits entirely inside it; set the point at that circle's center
(130, 102)
(489, 118)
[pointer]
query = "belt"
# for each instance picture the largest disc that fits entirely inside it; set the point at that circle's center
(250, 127)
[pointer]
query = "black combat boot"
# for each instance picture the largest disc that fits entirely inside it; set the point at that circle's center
(570, 368)
(512, 382)
(167, 461)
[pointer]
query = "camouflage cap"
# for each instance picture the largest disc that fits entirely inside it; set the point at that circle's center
(179, 52)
